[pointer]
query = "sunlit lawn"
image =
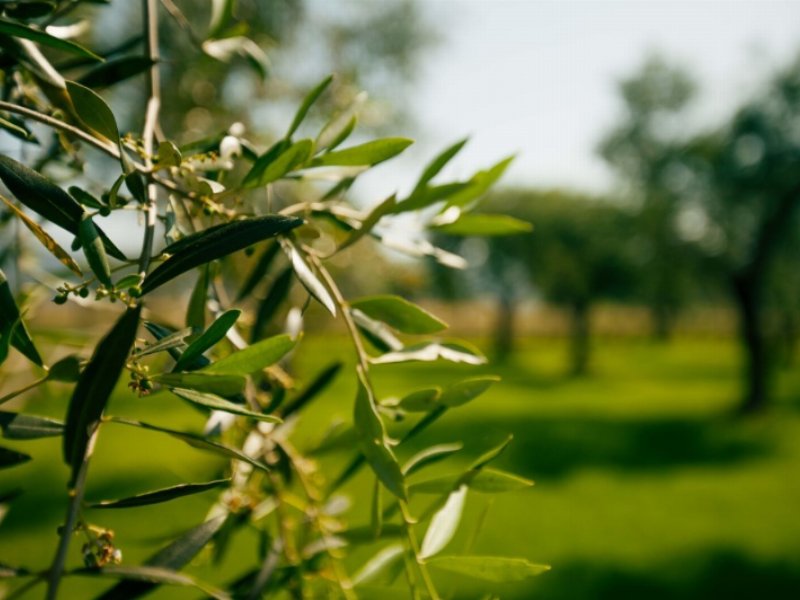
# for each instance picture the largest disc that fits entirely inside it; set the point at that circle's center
(646, 487)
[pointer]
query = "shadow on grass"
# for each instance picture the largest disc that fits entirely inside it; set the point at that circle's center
(716, 574)
(552, 447)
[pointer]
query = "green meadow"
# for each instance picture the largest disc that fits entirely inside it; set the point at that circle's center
(646, 486)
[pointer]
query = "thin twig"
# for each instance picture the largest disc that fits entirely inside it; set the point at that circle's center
(35, 115)
(363, 361)
(75, 499)
(150, 14)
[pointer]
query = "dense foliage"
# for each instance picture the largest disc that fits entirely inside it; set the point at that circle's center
(213, 201)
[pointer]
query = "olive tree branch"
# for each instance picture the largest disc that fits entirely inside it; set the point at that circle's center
(150, 14)
(363, 362)
(76, 493)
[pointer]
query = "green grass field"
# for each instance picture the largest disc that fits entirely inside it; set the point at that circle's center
(646, 487)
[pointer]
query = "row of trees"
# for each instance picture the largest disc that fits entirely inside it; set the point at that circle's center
(711, 214)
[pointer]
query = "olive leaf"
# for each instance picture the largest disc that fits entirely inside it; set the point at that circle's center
(95, 386)
(363, 155)
(270, 168)
(94, 251)
(308, 101)
(372, 440)
(214, 402)
(19, 30)
(252, 358)
(399, 313)
(17, 426)
(93, 111)
(207, 339)
(12, 328)
(161, 495)
(47, 199)
(216, 242)
(44, 237)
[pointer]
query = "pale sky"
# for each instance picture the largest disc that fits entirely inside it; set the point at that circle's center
(538, 77)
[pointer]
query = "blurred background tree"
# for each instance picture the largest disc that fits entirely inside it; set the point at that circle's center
(643, 149)
(745, 187)
(581, 251)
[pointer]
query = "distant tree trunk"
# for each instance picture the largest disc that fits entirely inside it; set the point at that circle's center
(579, 338)
(504, 327)
(756, 369)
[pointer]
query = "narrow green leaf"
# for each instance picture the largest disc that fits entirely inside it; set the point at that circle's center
(45, 239)
(370, 221)
(67, 369)
(488, 456)
(421, 400)
(47, 199)
(214, 402)
(485, 480)
(36, 35)
(12, 328)
(135, 183)
(216, 242)
(196, 309)
(484, 225)
(208, 339)
(444, 524)
(214, 383)
(167, 343)
(497, 569)
(160, 333)
(17, 426)
(161, 495)
(372, 437)
(382, 559)
(115, 71)
(196, 441)
(288, 160)
(428, 456)
(431, 352)
(151, 576)
(480, 183)
(174, 556)
(366, 155)
(253, 358)
(429, 195)
(438, 163)
(95, 386)
(377, 333)
(309, 280)
(399, 314)
(464, 391)
(85, 198)
(491, 481)
(40, 195)
(308, 101)
(93, 111)
(11, 458)
(340, 137)
(94, 251)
